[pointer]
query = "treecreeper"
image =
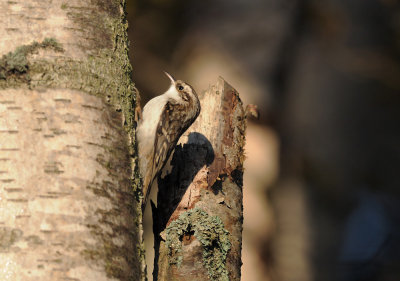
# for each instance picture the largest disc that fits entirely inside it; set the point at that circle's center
(164, 119)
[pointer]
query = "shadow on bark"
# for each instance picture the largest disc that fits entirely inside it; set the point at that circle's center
(186, 162)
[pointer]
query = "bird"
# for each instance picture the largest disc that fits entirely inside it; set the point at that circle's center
(164, 119)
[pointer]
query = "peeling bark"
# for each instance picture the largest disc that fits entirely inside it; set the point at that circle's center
(198, 220)
(68, 203)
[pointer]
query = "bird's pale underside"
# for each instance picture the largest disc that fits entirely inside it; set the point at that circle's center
(164, 119)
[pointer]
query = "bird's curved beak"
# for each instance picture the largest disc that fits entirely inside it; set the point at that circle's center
(170, 77)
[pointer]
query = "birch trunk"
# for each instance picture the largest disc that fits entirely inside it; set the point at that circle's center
(68, 201)
(198, 220)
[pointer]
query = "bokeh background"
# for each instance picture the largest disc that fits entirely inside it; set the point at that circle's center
(321, 186)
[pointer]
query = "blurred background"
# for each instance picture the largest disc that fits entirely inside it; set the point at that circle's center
(321, 185)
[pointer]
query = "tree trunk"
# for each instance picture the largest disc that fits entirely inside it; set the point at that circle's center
(198, 220)
(68, 184)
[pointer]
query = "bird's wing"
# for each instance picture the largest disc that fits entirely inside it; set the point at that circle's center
(171, 126)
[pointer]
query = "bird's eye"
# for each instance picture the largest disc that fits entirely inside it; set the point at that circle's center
(180, 88)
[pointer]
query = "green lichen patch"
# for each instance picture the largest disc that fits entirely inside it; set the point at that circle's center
(15, 64)
(211, 233)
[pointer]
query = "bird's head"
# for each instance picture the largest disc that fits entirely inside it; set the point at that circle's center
(181, 91)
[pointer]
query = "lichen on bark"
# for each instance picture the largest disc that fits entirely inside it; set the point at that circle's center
(211, 233)
(15, 65)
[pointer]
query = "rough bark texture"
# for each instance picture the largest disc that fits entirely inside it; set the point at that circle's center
(198, 220)
(68, 203)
